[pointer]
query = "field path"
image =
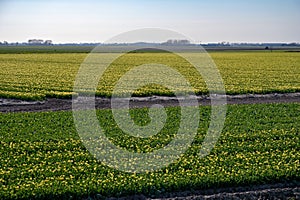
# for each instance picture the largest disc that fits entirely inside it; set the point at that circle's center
(254, 192)
(12, 105)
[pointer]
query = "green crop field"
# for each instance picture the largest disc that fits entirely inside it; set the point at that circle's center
(42, 155)
(41, 75)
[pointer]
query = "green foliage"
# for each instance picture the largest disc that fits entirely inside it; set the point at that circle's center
(43, 157)
(52, 75)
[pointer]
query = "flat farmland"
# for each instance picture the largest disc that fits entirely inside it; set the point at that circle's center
(40, 75)
(42, 156)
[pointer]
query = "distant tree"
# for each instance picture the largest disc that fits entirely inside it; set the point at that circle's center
(268, 48)
(48, 42)
(177, 42)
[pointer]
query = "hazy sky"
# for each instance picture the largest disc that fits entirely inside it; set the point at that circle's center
(97, 21)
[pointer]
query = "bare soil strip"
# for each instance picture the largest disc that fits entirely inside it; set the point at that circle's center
(52, 104)
(264, 192)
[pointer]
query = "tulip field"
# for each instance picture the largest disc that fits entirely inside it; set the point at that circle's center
(38, 76)
(43, 157)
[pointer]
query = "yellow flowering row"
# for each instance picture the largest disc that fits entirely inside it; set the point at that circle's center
(36, 76)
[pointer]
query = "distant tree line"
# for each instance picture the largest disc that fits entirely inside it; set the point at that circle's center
(176, 42)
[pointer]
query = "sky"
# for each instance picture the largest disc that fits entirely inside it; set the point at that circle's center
(64, 21)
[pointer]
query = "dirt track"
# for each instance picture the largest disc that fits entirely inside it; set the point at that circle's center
(262, 192)
(11, 105)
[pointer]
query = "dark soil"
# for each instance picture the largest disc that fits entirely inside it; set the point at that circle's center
(277, 191)
(52, 104)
